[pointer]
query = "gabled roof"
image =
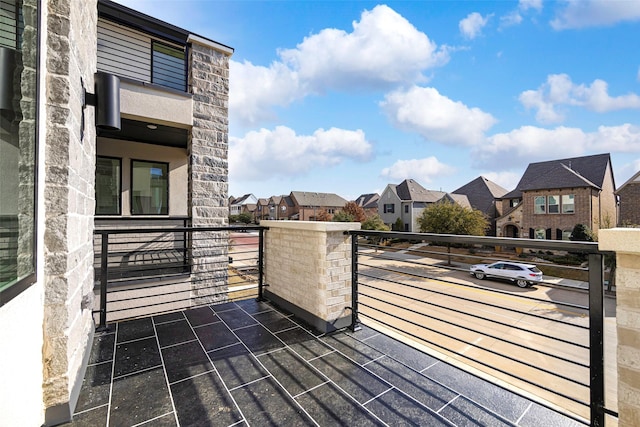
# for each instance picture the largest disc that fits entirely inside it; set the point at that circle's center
(482, 193)
(368, 201)
(288, 201)
(275, 200)
(262, 201)
(243, 200)
(304, 198)
(635, 179)
(587, 171)
(460, 199)
(410, 190)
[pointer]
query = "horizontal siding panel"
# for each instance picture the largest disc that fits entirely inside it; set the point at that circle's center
(123, 51)
(8, 24)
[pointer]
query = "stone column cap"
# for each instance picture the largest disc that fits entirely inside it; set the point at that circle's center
(319, 226)
(625, 240)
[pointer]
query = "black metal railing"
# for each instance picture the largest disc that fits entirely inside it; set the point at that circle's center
(546, 340)
(154, 270)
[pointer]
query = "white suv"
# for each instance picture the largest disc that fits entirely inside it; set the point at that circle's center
(523, 274)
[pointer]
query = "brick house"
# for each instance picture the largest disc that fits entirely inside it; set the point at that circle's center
(307, 205)
(629, 202)
(553, 196)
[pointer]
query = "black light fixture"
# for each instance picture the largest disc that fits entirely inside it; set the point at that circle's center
(106, 100)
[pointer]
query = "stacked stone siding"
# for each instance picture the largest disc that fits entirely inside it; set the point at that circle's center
(630, 204)
(308, 264)
(69, 170)
(208, 169)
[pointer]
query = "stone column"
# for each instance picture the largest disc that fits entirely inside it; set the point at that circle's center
(308, 270)
(69, 178)
(208, 169)
(626, 243)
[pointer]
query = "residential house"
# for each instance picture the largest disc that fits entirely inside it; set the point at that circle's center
(629, 202)
(482, 194)
(406, 201)
(143, 139)
(369, 203)
(287, 207)
(238, 206)
(307, 205)
(553, 196)
(262, 209)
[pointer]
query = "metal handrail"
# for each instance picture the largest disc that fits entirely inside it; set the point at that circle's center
(595, 308)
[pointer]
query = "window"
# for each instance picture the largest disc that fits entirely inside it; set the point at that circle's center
(540, 233)
(406, 208)
(554, 204)
(168, 67)
(566, 234)
(514, 202)
(108, 186)
(149, 188)
(18, 147)
(389, 208)
(568, 203)
(540, 206)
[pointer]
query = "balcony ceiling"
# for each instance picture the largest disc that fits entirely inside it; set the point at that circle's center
(133, 130)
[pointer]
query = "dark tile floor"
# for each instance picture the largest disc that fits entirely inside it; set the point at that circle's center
(245, 363)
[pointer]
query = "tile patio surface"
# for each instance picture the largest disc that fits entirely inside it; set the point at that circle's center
(246, 363)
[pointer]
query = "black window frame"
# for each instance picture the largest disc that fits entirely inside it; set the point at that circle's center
(131, 211)
(389, 208)
(120, 187)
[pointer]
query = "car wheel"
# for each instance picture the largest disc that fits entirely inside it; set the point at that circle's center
(522, 283)
(479, 275)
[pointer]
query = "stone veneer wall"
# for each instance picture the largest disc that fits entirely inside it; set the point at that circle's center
(626, 243)
(308, 270)
(69, 177)
(208, 171)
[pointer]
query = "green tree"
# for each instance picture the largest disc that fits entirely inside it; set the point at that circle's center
(244, 218)
(451, 218)
(581, 233)
(398, 225)
(343, 216)
(374, 222)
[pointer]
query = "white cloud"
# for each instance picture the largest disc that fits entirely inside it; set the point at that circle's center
(422, 170)
(471, 26)
(280, 152)
(436, 117)
(595, 13)
(525, 5)
(560, 90)
(530, 144)
(383, 48)
(508, 180)
(255, 89)
(510, 19)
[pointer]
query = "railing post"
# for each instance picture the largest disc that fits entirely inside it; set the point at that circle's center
(596, 341)
(260, 263)
(104, 277)
(355, 322)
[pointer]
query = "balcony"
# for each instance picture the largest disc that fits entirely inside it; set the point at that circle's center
(403, 346)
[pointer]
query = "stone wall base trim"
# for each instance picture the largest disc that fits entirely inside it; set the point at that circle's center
(318, 323)
(63, 412)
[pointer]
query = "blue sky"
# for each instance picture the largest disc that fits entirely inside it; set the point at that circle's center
(347, 97)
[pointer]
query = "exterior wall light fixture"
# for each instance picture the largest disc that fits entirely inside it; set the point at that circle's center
(106, 100)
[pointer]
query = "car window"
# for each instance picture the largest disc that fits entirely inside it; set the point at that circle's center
(497, 266)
